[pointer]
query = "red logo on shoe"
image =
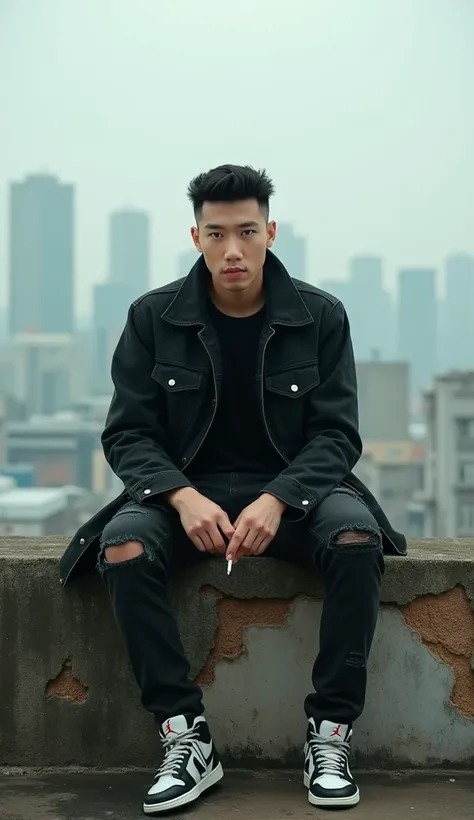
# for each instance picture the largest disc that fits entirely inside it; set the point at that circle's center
(168, 729)
(336, 732)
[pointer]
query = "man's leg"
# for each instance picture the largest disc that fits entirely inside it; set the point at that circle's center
(141, 547)
(343, 540)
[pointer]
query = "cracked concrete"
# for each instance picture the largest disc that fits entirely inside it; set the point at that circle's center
(66, 686)
(445, 624)
(265, 619)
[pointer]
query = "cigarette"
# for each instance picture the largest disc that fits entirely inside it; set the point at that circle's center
(229, 566)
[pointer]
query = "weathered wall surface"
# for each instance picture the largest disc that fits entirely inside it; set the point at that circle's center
(67, 696)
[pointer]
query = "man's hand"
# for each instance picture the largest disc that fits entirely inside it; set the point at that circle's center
(204, 522)
(255, 527)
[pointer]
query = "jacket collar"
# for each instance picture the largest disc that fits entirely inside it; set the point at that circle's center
(284, 304)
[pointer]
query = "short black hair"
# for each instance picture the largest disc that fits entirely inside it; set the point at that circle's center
(229, 183)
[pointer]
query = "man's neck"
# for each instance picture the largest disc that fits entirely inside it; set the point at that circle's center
(241, 304)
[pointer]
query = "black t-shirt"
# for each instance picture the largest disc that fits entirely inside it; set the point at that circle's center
(237, 440)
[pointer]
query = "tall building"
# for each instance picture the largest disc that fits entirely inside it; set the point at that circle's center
(417, 325)
(129, 278)
(291, 249)
(129, 249)
(449, 461)
(340, 288)
(383, 393)
(186, 260)
(41, 256)
(43, 371)
(370, 310)
(391, 464)
(457, 313)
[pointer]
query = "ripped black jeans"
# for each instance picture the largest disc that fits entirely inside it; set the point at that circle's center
(340, 538)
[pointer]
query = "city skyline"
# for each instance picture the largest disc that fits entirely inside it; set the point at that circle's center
(366, 132)
(289, 235)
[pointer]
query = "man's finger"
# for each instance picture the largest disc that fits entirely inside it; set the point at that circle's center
(217, 539)
(206, 540)
(197, 543)
(234, 544)
(250, 541)
(225, 526)
(260, 549)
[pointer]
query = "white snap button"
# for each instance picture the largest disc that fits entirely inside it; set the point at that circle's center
(171, 382)
(305, 502)
(147, 492)
(294, 388)
(82, 541)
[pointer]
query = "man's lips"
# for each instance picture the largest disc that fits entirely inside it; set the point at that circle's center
(234, 271)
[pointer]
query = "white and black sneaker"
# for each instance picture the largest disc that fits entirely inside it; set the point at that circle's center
(327, 775)
(190, 765)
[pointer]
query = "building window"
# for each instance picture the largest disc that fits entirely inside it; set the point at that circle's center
(466, 472)
(465, 432)
(466, 518)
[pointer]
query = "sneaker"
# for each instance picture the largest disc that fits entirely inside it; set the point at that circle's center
(190, 764)
(327, 775)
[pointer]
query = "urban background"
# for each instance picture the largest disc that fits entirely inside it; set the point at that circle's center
(388, 228)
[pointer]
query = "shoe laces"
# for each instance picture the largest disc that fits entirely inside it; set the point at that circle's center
(176, 749)
(330, 756)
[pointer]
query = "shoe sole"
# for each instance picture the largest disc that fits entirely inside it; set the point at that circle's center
(209, 780)
(331, 802)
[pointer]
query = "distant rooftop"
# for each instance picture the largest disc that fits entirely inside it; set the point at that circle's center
(32, 503)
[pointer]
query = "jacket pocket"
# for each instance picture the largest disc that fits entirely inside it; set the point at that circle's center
(175, 378)
(295, 382)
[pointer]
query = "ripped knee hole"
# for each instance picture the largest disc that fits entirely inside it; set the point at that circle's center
(127, 551)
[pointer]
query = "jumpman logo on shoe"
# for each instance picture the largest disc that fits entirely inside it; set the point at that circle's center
(336, 731)
(169, 730)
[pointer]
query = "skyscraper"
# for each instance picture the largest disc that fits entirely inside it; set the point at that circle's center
(186, 260)
(370, 310)
(291, 250)
(41, 255)
(417, 325)
(129, 246)
(129, 277)
(457, 314)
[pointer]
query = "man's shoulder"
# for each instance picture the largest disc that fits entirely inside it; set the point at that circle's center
(161, 296)
(313, 296)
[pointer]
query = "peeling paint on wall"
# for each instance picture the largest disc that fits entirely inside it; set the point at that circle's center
(65, 686)
(445, 624)
(234, 617)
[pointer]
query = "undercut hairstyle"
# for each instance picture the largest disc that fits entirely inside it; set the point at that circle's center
(230, 183)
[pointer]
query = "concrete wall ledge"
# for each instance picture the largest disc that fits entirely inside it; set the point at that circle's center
(67, 696)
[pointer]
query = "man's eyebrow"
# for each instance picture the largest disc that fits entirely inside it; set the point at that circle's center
(213, 226)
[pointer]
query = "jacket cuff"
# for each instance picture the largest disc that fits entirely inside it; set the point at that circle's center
(158, 484)
(299, 502)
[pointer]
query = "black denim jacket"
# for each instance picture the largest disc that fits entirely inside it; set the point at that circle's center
(167, 374)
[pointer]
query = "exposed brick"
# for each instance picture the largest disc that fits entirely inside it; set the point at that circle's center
(445, 624)
(65, 686)
(234, 617)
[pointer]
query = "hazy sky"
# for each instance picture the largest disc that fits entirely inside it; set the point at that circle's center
(361, 110)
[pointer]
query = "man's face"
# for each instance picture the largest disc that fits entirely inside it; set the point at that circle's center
(233, 237)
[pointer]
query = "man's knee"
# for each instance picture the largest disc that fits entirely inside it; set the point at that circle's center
(357, 538)
(124, 538)
(127, 551)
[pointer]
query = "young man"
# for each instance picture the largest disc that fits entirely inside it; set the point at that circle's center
(234, 429)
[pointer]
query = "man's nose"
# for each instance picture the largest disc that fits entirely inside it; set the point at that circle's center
(233, 251)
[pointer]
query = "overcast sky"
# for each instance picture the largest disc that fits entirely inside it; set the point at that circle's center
(361, 110)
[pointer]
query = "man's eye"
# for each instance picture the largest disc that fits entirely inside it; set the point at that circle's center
(215, 234)
(248, 231)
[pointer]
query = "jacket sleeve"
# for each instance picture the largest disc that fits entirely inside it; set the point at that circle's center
(333, 442)
(134, 434)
